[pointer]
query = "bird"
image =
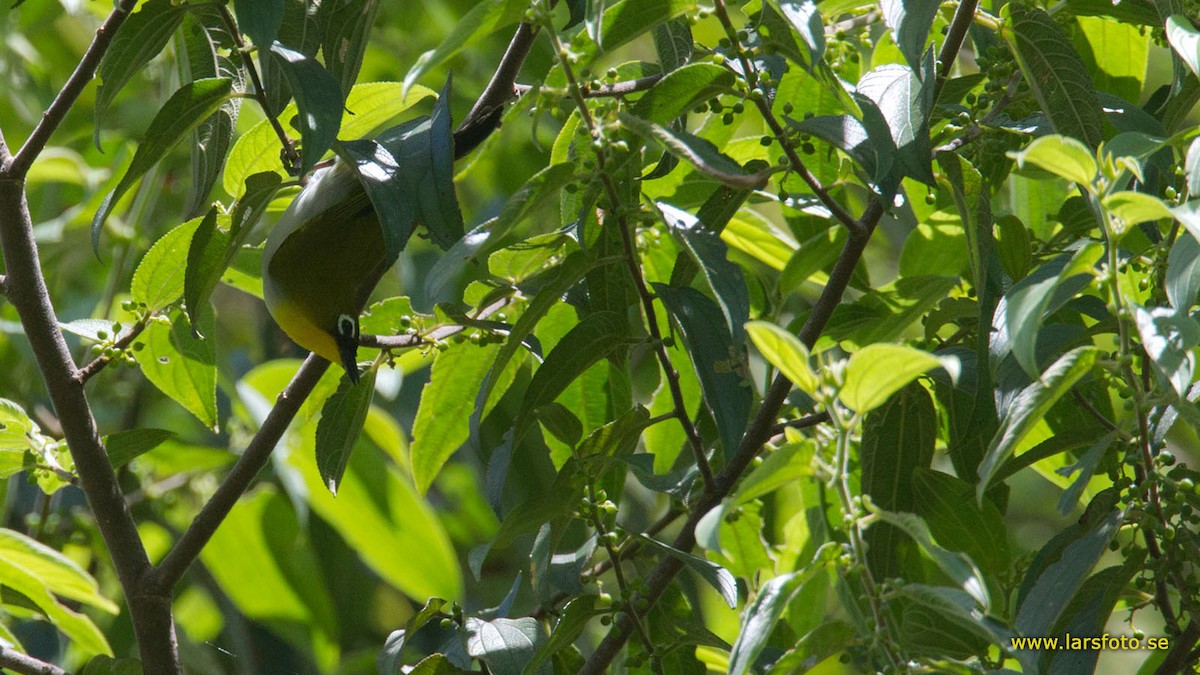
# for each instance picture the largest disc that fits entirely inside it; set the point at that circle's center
(321, 262)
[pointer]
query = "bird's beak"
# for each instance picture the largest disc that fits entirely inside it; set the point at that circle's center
(348, 350)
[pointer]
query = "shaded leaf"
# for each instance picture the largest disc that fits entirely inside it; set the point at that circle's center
(341, 422)
(319, 101)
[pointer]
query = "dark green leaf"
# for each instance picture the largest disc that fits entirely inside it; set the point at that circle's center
(484, 18)
(1060, 568)
(848, 135)
(124, 446)
(711, 255)
(700, 152)
(319, 101)
(1183, 272)
(381, 176)
(1055, 73)
(761, 616)
(259, 191)
(617, 438)
(182, 113)
(260, 19)
(1168, 336)
(1031, 405)
(960, 608)
(575, 617)
(106, 665)
(439, 205)
(672, 43)
(719, 363)
(592, 339)
(342, 419)
(347, 27)
(681, 90)
(903, 102)
(959, 568)
(506, 645)
(208, 254)
(910, 23)
(805, 20)
(716, 576)
(958, 522)
(897, 440)
(141, 37)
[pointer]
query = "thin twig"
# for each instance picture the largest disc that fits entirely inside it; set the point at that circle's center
(27, 665)
(84, 72)
(802, 423)
(239, 478)
(3, 285)
(100, 362)
(290, 156)
(616, 89)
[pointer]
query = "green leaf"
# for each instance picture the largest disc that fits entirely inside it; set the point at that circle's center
(784, 466)
(260, 19)
(910, 22)
(319, 101)
(368, 108)
(877, 371)
(342, 419)
(1062, 156)
(617, 438)
(1185, 40)
(183, 112)
(720, 364)
(442, 421)
(592, 339)
(956, 566)
(904, 102)
(673, 41)
(60, 575)
(205, 41)
(1060, 569)
(960, 608)
(255, 197)
(625, 20)
(484, 18)
(699, 152)
(347, 28)
(1169, 336)
(392, 197)
(805, 19)
(379, 514)
(760, 239)
(140, 38)
(725, 278)
(439, 205)
(182, 366)
(160, 277)
(1183, 272)
(958, 522)
(681, 90)
(1033, 297)
(847, 134)
(77, 627)
(207, 256)
(1055, 73)
(716, 576)
(784, 351)
(124, 446)
(1031, 405)
(897, 440)
(574, 618)
(1131, 208)
(1116, 55)
(506, 645)
(762, 615)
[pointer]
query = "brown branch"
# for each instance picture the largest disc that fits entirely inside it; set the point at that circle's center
(1181, 655)
(100, 362)
(957, 32)
(84, 72)
(27, 665)
(253, 459)
(27, 291)
(616, 89)
(802, 423)
(484, 117)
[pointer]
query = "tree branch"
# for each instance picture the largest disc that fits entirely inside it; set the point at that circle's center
(100, 362)
(151, 615)
(84, 72)
(27, 665)
(258, 451)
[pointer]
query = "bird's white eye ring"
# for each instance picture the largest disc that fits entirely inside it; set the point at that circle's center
(347, 326)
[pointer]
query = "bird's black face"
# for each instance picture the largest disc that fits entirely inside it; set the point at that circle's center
(346, 337)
